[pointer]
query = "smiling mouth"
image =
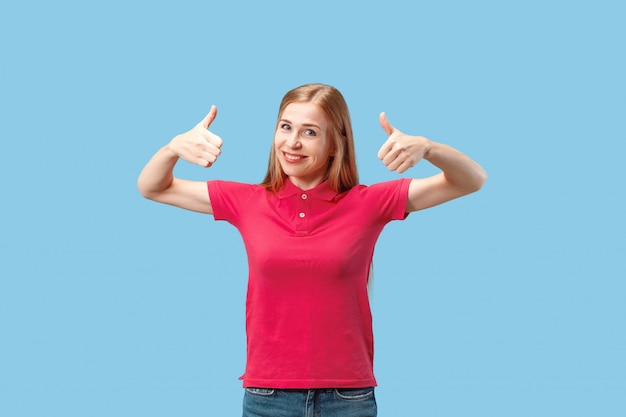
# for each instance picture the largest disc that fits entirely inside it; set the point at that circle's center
(293, 158)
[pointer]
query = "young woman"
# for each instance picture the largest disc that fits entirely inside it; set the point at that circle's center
(309, 230)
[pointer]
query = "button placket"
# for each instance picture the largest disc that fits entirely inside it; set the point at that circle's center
(302, 212)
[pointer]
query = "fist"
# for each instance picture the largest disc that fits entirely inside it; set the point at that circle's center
(401, 152)
(199, 145)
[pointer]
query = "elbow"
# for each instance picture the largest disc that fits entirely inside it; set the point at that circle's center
(153, 190)
(144, 193)
(144, 190)
(478, 180)
(481, 178)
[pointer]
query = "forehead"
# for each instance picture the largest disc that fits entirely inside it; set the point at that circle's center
(305, 113)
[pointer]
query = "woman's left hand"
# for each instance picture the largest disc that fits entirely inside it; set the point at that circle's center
(401, 151)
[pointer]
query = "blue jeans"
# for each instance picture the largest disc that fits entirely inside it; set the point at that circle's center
(339, 402)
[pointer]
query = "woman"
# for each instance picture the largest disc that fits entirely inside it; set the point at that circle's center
(309, 230)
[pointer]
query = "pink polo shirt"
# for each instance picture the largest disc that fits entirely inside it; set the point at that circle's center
(308, 319)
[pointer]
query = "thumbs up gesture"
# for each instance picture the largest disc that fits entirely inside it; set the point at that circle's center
(199, 145)
(401, 152)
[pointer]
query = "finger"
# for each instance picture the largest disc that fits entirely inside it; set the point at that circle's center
(390, 150)
(385, 124)
(215, 140)
(211, 152)
(210, 157)
(385, 149)
(208, 119)
(204, 163)
(394, 165)
(404, 166)
(402, 163)
(393, 160)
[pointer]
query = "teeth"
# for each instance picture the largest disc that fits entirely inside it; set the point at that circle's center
(293, 157)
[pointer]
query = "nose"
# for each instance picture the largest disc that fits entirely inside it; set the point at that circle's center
(292, 140)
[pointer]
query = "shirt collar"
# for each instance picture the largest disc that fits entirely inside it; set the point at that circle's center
(321, 192)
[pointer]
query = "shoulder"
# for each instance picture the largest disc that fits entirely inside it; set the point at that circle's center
(233, 186)
(387, 198)
(398, 186)
(230, 199)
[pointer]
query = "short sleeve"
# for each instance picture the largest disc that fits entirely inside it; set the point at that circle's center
(229, 199)
(390, 198)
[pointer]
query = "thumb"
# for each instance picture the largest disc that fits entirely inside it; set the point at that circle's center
(385, 124)
(208, 119)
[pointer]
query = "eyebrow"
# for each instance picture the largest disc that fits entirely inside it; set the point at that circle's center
(303, 124)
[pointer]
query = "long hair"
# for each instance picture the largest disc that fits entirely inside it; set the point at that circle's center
(341, 172)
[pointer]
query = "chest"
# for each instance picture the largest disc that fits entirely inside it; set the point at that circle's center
(309, 236)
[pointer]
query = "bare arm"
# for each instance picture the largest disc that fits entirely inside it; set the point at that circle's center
(199, 146)
(460, 175)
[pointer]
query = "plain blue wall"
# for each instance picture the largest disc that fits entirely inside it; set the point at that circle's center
(509, 302)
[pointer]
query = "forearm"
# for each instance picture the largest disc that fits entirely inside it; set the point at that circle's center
(157, 176)
(460, 171)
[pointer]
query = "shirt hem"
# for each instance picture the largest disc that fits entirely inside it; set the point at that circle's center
(309, 384)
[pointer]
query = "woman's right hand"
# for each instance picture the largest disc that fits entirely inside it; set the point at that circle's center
(199, 145)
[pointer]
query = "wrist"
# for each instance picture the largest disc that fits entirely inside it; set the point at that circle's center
(428, 147)
(169, 151)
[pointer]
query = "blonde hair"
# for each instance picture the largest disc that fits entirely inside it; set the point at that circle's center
(341, 173)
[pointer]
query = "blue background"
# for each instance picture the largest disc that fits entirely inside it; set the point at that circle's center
(509, 302)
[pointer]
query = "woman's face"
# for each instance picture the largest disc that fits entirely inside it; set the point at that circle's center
(302, 144)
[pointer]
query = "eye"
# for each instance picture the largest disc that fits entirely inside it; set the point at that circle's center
(285, 126)
(310, 132)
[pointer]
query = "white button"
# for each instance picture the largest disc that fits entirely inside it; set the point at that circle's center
(304, 196)
(302, 215)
